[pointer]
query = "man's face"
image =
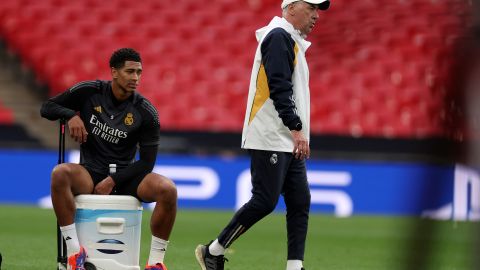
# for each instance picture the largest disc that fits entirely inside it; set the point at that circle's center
(128, 77)
(305, 16)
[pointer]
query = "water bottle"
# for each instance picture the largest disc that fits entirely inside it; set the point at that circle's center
(112, 168)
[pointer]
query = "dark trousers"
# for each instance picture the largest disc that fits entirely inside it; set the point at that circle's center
(274, 173)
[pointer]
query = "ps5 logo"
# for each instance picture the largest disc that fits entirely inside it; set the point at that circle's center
(202, 183)
(193, 182)
(339, 199)
(466, 197)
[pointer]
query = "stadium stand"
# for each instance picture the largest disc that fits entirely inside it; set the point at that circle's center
(12, 134)
(378, 68)
(15, 136)
(6, 115)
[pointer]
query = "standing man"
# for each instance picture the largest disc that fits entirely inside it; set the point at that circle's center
(110, 119)
(276, 133)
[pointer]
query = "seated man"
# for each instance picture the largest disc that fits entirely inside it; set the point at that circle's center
(110, 119)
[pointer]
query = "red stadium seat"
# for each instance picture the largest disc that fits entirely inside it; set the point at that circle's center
(375, 70)
(6, 115)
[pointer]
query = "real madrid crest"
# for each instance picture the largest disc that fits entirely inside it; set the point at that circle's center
(128, 119)
(274, 159)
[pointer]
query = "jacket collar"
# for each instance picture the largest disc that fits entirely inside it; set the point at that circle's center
(281, 22)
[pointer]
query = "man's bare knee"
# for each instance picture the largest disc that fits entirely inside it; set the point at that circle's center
(158, 188)
(71, 176)
(60, 176)
(168, 190)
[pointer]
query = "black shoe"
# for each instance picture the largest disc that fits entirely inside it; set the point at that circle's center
(207, 261)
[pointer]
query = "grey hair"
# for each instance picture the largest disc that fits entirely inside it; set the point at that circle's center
(284, 10)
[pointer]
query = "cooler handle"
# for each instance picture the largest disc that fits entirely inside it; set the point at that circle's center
(106, 225)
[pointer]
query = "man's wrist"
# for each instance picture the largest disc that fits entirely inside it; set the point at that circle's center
(296, 126)
(70, 115)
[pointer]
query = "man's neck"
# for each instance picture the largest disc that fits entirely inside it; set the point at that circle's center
(119, 93)
(290, 21)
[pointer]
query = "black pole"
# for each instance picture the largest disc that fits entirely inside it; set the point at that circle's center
(61, 244)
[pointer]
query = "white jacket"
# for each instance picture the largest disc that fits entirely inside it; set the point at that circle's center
(263, 129)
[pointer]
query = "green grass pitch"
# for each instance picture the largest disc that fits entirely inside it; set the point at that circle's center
(28, 241)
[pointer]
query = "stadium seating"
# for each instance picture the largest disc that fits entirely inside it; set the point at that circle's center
(377, 67)
(6, 115)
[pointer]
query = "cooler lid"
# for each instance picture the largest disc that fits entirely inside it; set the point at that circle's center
(118, 202)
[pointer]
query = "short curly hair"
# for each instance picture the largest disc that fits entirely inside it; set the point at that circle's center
(118, 58)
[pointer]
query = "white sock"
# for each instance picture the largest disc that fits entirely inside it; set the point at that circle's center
(216, 249)
(294, 264)
(69, 233)
(157, 250)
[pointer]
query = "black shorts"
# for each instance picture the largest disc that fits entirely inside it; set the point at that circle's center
(128, 188)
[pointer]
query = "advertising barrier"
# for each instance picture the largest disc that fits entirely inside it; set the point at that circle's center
(341, 188)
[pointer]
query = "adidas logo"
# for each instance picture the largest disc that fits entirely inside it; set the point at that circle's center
(68, 238)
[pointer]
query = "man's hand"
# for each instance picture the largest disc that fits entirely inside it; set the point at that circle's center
(77, 129)
(301, 148)
(105, 186)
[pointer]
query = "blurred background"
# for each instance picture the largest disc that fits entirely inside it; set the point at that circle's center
(394, 96)
(382, 73)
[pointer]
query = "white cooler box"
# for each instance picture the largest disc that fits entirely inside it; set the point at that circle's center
(109, 228)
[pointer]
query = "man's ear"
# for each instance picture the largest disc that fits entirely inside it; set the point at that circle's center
(114, 73)
(291, 9)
